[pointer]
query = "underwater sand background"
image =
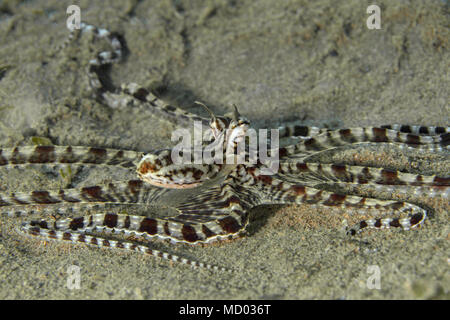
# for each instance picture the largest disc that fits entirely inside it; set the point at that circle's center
(307, 62)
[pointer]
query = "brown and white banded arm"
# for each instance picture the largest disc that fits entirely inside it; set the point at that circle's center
(358, 174)
(402, 214)
(342, 137)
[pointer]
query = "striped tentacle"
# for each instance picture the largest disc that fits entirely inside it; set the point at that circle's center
(52, 231)
(333, 139)
(220, 216)
(283, 192)
(104, 57)
(130, 90)
(61, 209)
(212, 215)
(66, 155)
(406, 190)
(208, 215)
(307, 131)
(422, 130)
(140, 227)
(128, 192)
(147, 100)
(402, 214)
(360, 174)
(413, 220)
(99, 33)
(299, 131)
(196, 223)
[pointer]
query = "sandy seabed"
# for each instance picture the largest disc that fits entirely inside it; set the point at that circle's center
(313, 63)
